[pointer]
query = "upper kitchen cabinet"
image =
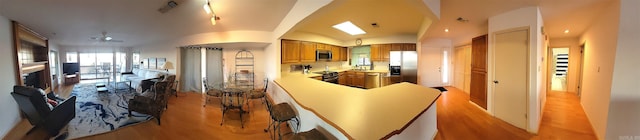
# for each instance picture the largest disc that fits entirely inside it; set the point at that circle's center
(321, 46)
(409, 47)
(384, 51)
(335, 52)
(375, 52)
(290, 51)
(343, 54)
(397, 47)
(307, 51)
(380, 52)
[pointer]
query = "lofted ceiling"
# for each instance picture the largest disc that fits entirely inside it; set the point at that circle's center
(136, 22)
(558, 15)
(394, 17)
(74, 22)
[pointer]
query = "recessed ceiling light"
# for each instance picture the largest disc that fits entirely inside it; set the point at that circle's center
(349, 28)
(566, 31)
(446, 30)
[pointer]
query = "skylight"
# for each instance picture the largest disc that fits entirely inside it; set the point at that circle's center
(349, 28)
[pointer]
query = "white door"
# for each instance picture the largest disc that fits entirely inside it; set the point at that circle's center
(510, 77)
(433, 67)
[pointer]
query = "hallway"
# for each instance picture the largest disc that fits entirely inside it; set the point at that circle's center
(563, 118)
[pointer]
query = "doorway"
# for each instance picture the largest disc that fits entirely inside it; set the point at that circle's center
(434, 66)
(559, 66)
(510, 82)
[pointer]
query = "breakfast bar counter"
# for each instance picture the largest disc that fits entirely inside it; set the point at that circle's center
(397, 111)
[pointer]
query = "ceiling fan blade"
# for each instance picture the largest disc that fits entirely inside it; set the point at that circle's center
(113, 40)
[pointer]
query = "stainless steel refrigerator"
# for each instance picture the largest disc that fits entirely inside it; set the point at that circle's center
(408, 62)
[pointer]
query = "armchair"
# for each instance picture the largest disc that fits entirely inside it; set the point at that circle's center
(153, 104)
(31, 102)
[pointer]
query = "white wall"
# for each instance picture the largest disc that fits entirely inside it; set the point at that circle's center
(524, 17)
(229, 56)
(445, 44)
(574, 59)
(10, 114)
(600, 41)
(303, 36)
(298, 12)
(624, 108)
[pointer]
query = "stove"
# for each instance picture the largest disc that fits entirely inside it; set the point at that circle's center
(329, 76)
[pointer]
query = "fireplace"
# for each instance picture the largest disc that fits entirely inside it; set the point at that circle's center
(34, 79)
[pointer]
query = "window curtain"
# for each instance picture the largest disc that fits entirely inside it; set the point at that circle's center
(190, 69)
(214, 66)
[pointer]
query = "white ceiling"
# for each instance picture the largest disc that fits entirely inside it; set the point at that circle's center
(394, 17)
(73, 22)
(558, 15)
(137, 21)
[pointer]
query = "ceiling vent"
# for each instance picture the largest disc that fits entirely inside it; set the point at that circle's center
(460, 19)
(170, 5)
(375, 25)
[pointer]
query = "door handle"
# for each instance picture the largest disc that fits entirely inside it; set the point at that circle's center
(495, 81)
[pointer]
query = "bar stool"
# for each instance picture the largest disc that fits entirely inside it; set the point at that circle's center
(280, 113)
(313, 134)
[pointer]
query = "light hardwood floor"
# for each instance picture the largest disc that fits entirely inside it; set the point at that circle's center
(185, 118)
(458, 119)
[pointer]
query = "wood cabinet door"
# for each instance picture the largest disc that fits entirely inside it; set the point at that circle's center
(350, 76)
(409, 47)
(290, 51)
(395, 79)
(396, 47)
(342, 78)
(344, 54)
(375, 52)
(307, 51)
(335, 53)
(359, 82)
(384, 51)
(478, 86)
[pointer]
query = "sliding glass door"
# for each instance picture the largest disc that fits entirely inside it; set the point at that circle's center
(96, 65)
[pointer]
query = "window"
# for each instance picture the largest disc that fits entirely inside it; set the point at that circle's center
(136, 60)
(363, 60)
(445, 66)
(72, 57)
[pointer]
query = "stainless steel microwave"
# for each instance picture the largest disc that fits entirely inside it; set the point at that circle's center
(323, 55)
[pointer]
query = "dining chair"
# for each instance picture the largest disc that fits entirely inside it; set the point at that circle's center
(258, 94)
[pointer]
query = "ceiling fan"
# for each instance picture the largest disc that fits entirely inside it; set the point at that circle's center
(105, 38)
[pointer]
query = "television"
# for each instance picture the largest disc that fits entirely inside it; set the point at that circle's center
(70, 68)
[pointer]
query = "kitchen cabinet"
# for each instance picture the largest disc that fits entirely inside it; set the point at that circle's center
(342, 78)
(395, 79)
(307, 51)
(335, 52)
(384, 51)
(290, 51)
(380, 52)
(358, 80)
(344, 54)
(349, 76)
(397, 47)
(409, 47)
(321, 46)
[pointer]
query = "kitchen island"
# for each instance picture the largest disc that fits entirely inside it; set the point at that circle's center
(398, 111)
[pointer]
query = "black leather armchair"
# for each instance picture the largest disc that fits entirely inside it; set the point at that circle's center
(31, 103)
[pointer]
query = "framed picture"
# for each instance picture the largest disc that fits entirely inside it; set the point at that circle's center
(152, 63)
(145, 63)
(160, 62)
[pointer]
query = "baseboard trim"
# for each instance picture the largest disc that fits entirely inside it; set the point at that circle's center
(479, 107)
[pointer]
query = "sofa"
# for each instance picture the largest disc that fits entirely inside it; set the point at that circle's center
(136, 76)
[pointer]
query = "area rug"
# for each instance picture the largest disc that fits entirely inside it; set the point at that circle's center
(101, 112)
(442, 89)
